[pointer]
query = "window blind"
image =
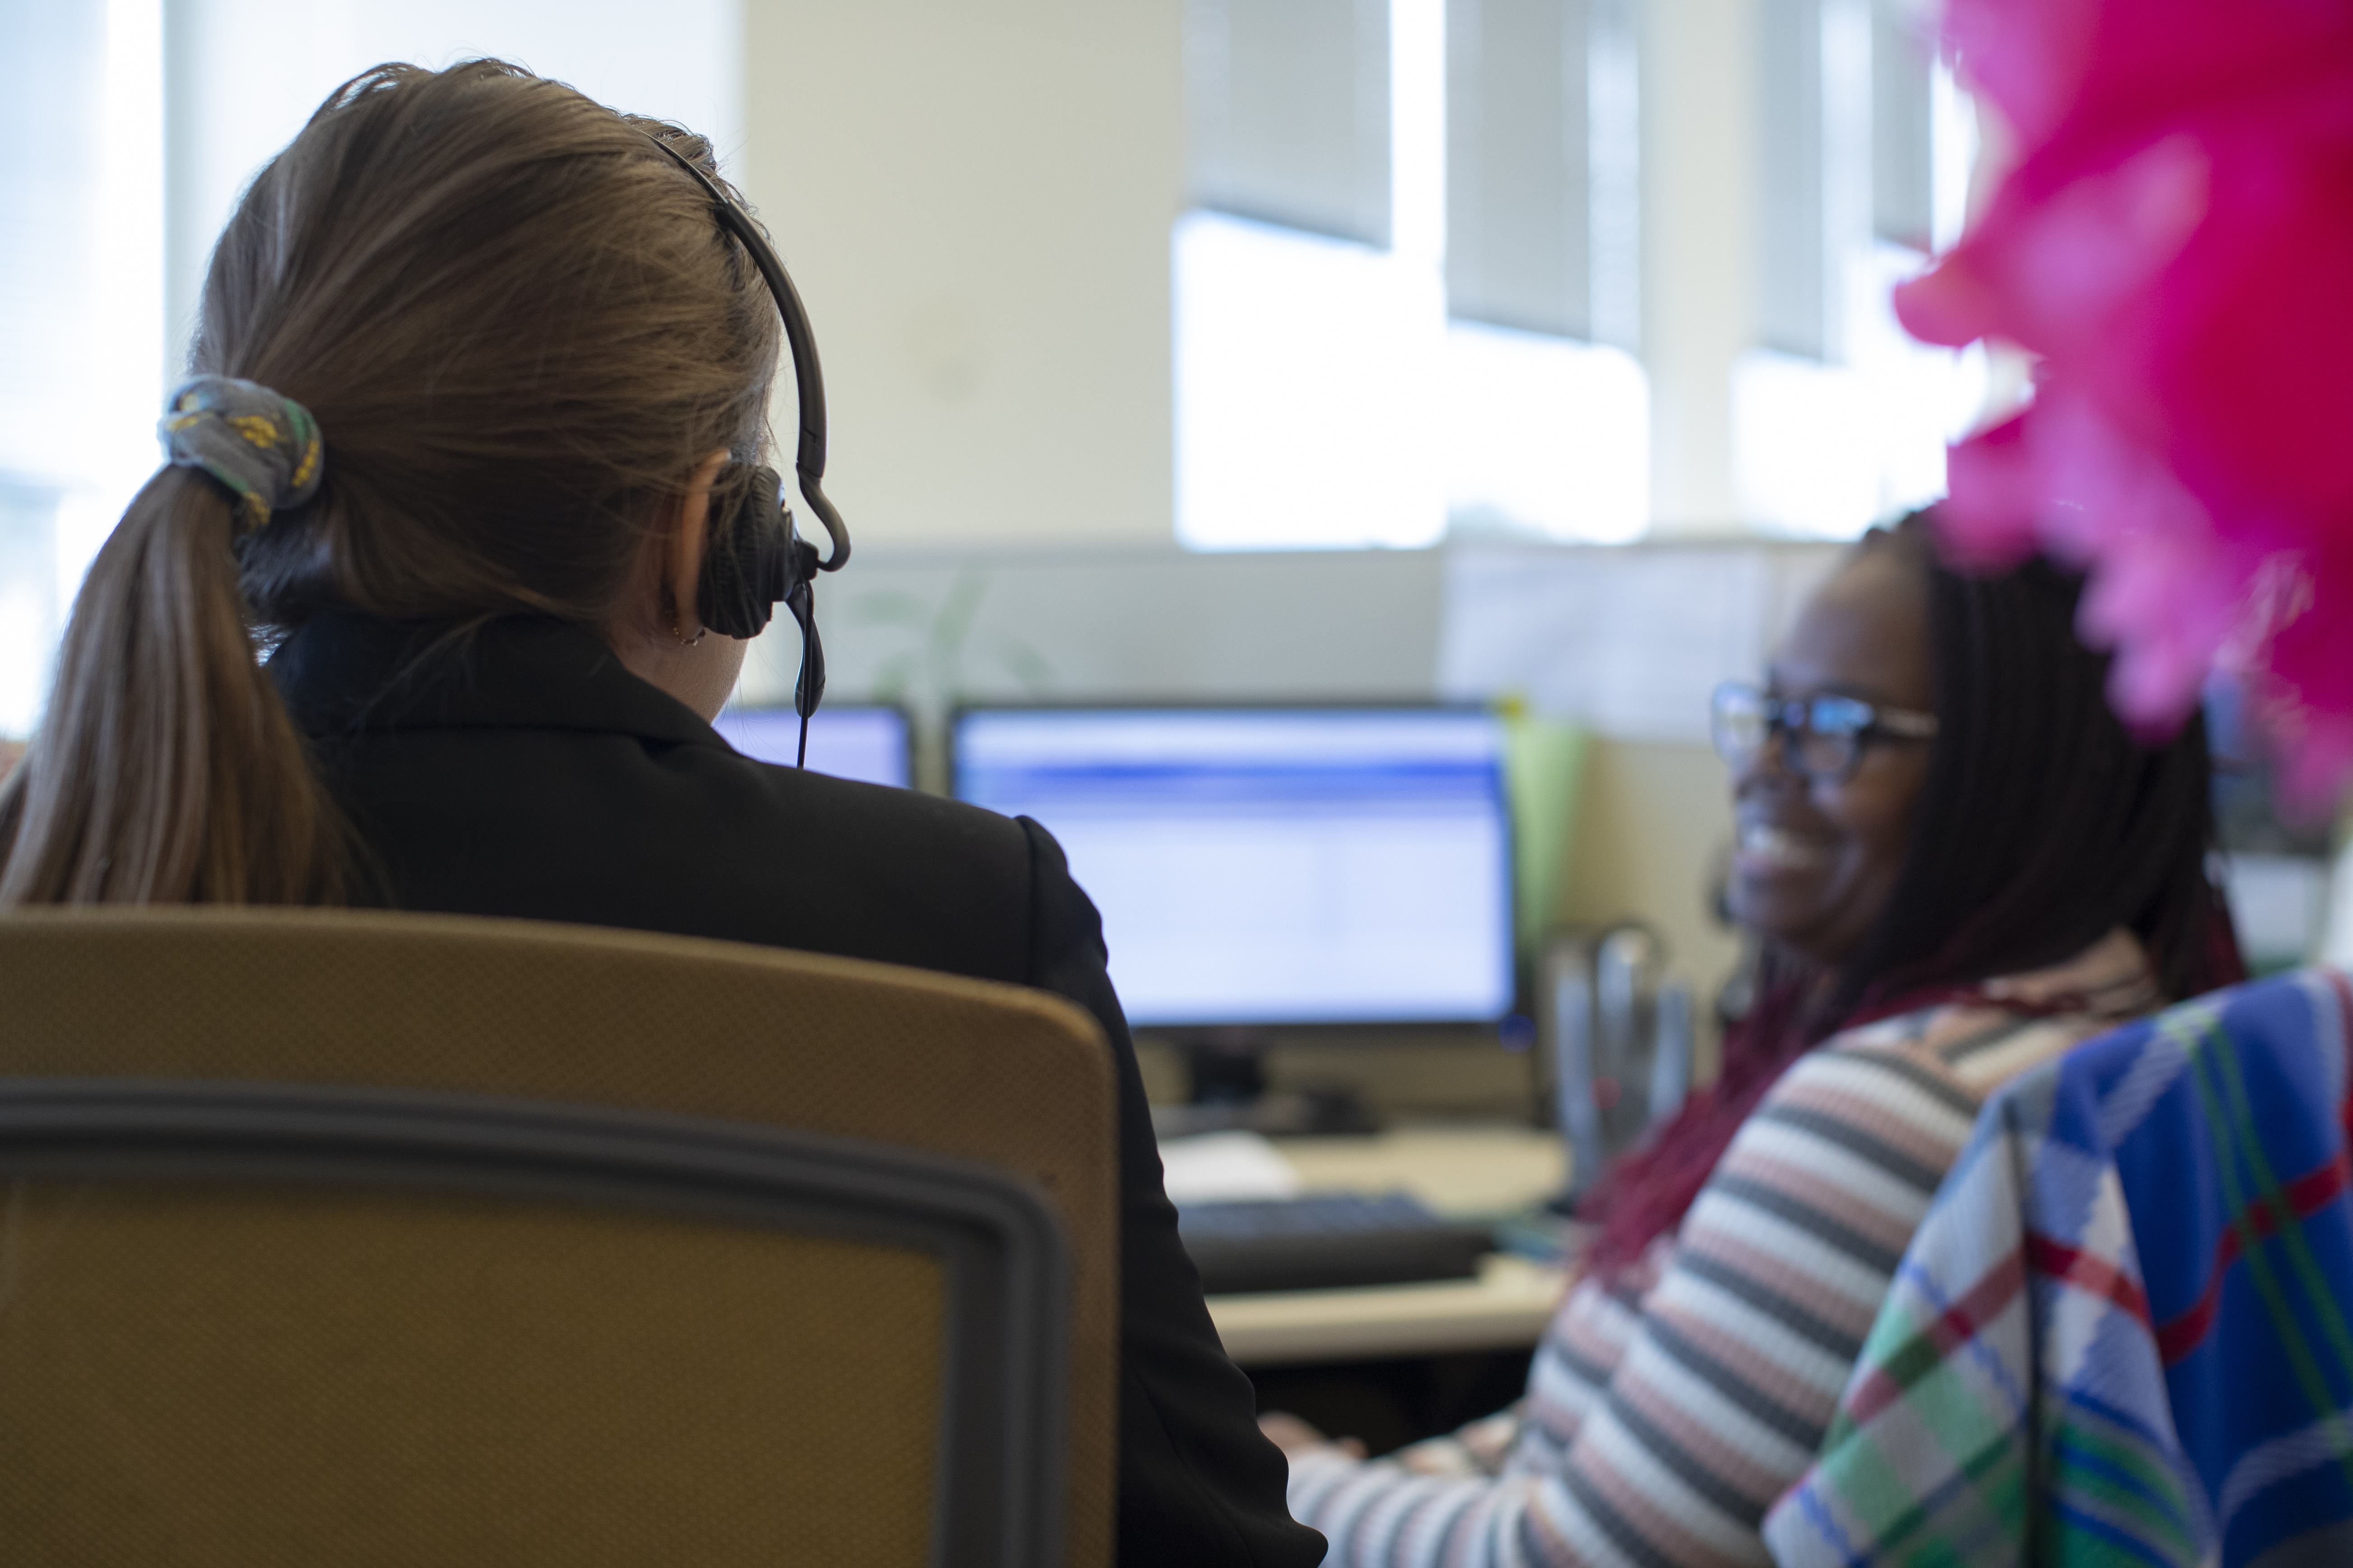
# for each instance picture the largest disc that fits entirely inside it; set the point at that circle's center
(1902, 143)
(1541, 178)
(1792, 266)
(1846, 155)
(1289, 113)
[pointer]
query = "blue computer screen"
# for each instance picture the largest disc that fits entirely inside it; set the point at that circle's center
(850, 742)
(1272, 865)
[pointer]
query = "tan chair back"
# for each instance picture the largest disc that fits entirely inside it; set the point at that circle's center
(269, 1374)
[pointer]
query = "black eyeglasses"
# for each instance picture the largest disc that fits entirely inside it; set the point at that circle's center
(1822, 737)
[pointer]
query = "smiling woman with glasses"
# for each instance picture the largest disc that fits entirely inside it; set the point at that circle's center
(1958, 864)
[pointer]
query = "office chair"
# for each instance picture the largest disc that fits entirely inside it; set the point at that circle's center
(378, 1238)
(2120, 1333)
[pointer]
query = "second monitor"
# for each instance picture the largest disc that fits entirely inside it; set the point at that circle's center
(850, 741)
(1272, 865)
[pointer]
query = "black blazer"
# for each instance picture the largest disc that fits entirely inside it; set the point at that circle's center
(529, 775)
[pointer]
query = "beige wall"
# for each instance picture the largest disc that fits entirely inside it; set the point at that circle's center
(975, 201)
(1653, 822)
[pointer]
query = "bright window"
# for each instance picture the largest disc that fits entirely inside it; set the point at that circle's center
(80, 308)
(1839, 419)
(1406, 301)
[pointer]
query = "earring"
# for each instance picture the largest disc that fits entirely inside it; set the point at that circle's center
(679, 631)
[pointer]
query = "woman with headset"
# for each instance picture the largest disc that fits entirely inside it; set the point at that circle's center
(483, 372)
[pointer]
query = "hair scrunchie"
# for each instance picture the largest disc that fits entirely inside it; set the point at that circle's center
(264, 446)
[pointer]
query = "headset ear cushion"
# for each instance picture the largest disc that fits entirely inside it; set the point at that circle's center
(745, 556)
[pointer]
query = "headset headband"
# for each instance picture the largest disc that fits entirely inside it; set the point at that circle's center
(809, 380)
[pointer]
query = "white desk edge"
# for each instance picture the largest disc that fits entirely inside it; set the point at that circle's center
(1506, 1308)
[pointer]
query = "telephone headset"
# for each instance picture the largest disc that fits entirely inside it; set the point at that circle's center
(754, 558)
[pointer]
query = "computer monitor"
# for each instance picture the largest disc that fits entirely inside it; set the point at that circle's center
(850, 741)
(1262, 867)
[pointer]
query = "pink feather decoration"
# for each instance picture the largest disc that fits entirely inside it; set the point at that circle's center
(2176, 243)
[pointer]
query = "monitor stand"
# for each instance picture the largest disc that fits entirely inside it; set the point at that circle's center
(1228, 1093)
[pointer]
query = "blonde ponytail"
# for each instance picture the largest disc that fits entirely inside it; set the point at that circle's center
(167, 769)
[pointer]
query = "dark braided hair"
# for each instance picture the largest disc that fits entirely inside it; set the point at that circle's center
(2042, 826)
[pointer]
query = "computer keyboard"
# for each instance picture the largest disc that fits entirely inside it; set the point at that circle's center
(1327, 1242)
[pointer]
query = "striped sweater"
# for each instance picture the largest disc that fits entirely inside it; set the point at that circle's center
(1667, 1409)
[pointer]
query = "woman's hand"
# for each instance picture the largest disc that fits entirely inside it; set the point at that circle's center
(1294, 1436)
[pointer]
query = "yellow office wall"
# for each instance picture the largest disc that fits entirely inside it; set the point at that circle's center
(1653, 824)
(976, 202)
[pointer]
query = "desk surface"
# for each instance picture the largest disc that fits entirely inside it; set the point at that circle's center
(1461, 1173)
